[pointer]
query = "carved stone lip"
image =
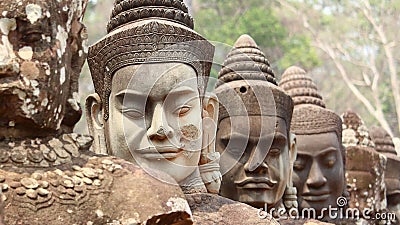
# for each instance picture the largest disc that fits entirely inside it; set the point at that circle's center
(256, 182)
(160, 152)
(316, 197)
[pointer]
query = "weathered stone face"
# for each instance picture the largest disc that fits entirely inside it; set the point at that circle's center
(155, 120)
(259, 172)
(42, 50)
(384, 145)
(365, 167)
(149, 106)
(257, 150)
(364, 178)
(319, 167)
(318, 170)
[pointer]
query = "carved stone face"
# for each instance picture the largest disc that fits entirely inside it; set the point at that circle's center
(318, 170)
(261, 169)
(41, 54)
(156, 117)
(362, 196)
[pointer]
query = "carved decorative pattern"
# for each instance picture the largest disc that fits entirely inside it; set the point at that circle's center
(300, 87)
(145, 32)
(383, 141)
(43, 153)
(125, 11)
(69, 187)
(355, 133)
(310, 115)
(246, 62)
(309, 119)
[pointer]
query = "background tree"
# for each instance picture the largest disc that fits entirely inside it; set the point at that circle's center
(358, 39)
(225, 20)
(349, 47)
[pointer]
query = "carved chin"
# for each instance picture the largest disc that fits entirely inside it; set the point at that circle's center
(256, 197)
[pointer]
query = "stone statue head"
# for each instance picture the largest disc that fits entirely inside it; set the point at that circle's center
(319, 167)
(384, 145)
(42, 50)
(150, 74)
(257, 150)
(365, 167)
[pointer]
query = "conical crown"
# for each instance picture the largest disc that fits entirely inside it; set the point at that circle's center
(355, 133)
(310, 115)
(126, 11)
(300, 87)
(383, 141)
(246, 62)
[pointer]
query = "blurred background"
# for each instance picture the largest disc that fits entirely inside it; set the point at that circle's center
(350, 47)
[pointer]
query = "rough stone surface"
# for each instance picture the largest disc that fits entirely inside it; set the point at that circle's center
(84, 186)
(210, 209)
(47, 174)
(365, 167)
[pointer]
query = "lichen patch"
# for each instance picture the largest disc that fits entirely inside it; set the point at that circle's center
(178, 204)
(30, 70)
(62, 37)
(190, 132)
(7, 25)
(25, 53)
(33, 12)
(62, 75)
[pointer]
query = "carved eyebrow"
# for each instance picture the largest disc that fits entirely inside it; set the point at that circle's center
(327, 151)
(182, 90)
(130, 92)
(234, 135)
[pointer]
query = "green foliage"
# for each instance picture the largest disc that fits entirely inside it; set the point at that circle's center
(224, 21)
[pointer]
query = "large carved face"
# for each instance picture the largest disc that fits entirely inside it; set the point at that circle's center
(258, 172)
(155, 117)
(41, 54)
(362, 190)
(318, 170)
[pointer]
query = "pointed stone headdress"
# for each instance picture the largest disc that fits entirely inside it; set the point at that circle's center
(310, 115)
(148, 31)
(365, 167)
(248, 72)
(355, 133)
(384, 144)
(383, 141)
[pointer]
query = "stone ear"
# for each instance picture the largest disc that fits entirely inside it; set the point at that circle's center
(292, 154)
(95, 121)
(210, 106)
(209, 124)
(209, 159)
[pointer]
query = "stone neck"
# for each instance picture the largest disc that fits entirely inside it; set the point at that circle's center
(193, 183)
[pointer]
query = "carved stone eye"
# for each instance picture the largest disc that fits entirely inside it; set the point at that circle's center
(183, 111)
(274, 152)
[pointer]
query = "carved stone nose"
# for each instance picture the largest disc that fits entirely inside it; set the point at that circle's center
(161, 131)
